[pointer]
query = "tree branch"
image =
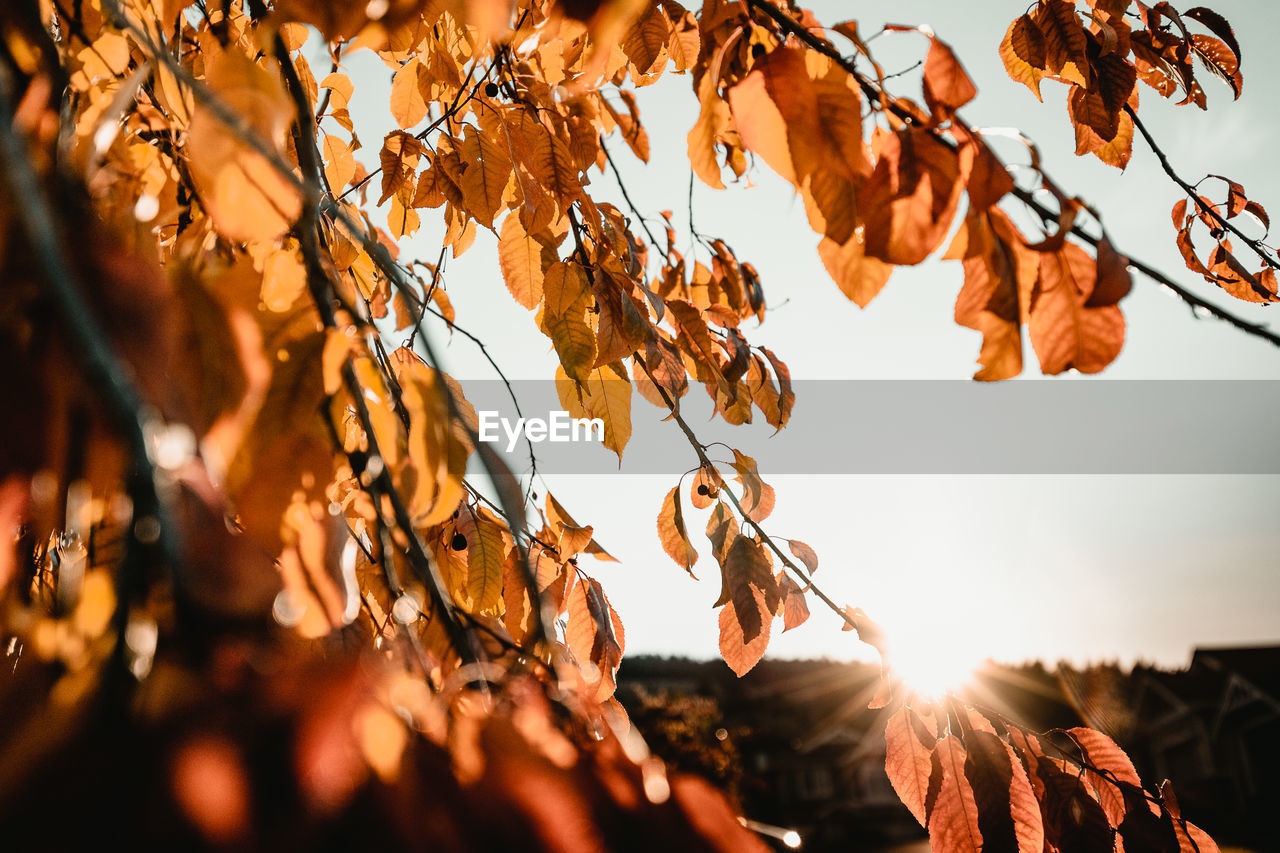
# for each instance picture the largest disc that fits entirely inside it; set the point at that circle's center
(789, 25)
(700, 449)
(1207, 209)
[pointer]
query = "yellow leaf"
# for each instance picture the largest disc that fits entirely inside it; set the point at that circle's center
(244, 195)
(407, 104)
(485, 179)
(284, 279)
(339, 164)
(606, 394)
(486, 554)
(523, 260)
(399, 161)
(564, 318)
(672, 533)
(713, 117)
(439, 460)
(859, 277)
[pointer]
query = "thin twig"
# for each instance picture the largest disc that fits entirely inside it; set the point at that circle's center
(1223, 222)
(700, 449)
(1195, 301)
(627, 197)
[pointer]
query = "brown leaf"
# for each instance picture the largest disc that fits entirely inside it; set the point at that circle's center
(795, 609)
(1064, 331)
(1065, 42)
(672, 534)
(1023, 53)
(946, 84)
(1008, 814)
(740, 653)
(746, 573)
(564, 318)
(805, 554)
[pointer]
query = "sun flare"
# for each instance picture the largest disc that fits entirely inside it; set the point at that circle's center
(932, 667)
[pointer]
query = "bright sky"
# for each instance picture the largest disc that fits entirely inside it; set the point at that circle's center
(1081, 568)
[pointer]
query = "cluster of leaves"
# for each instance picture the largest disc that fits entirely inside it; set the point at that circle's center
(1102, 63)
(223, 435)
(977, 783)
(1221, 266)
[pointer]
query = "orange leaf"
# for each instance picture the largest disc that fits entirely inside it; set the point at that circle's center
(242, 192)
(953, 823)
(908, 760)
(946, 84)
(671, 531)
(1023, 53)
(1064, 331)
(740, 653)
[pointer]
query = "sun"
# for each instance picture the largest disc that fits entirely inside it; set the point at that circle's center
(932, 666)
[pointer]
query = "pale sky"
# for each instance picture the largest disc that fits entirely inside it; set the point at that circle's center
(1082, 568)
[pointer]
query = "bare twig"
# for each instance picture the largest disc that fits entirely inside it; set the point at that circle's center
(627, 197)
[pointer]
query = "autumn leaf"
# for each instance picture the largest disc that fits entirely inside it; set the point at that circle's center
(671, 532)
(523, 261)
(567, 297)
(243, 193)
(909, 761)
(486, 552)
(713, 117)
(746, 573)
(399, 159)
(1023, 53)
(954, 820)
(859, 277)
(604, 394)
(1065, 43)
(488, 170)
(738, 652)
(911, 196)
(1009, 815)
(947, 86)
(795, 609)
(1000, 274)
(595, 634)
(408, 107)
(1065, 332)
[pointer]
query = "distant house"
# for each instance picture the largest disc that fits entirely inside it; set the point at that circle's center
(1214, 729)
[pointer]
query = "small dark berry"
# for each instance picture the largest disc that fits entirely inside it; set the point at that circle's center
(459, 542)
(703, 490)
(491, 90)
